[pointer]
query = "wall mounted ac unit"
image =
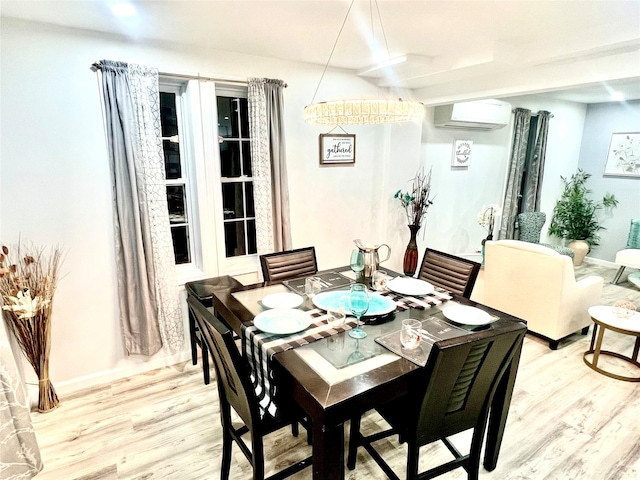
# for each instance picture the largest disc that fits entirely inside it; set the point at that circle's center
(479, 115)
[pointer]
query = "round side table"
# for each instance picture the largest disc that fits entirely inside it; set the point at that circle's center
(604, 318)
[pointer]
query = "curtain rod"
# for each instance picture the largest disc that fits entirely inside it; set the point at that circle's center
(96, 66)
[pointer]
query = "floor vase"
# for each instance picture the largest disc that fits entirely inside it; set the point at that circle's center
(410, 262)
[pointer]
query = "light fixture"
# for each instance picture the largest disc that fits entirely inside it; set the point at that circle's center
(363, 111)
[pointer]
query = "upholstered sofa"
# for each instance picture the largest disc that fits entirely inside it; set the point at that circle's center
(537, 284)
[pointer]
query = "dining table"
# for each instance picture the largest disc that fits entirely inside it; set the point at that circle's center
(333, 377)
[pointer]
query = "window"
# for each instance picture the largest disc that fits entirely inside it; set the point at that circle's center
(236, 177)
(205, 137)
(175, 177)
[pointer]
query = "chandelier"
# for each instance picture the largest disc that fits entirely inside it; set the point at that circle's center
(370, 111)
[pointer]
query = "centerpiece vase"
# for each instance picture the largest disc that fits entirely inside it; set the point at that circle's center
(410, 262)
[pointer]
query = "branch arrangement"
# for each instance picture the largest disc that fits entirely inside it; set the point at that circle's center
(28, 280)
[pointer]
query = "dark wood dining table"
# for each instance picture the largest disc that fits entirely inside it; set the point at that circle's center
(330, 389)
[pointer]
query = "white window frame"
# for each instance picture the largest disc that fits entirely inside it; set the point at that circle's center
(201, 162)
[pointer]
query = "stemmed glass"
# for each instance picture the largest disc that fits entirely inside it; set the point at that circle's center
(358, 304)
(357, 263)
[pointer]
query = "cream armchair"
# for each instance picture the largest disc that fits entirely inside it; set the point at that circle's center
(538, 284)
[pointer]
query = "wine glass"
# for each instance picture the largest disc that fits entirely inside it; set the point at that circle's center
(358, 304)
(357, 263)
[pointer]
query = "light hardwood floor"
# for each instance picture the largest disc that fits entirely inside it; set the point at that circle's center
(566, 422)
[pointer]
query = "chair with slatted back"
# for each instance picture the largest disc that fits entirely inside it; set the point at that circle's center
(292, 263)
(236, 392)
(452, 396)
(456, 274)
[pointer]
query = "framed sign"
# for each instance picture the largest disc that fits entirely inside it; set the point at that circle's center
(623, 159)
(461, 153)
(337, 148)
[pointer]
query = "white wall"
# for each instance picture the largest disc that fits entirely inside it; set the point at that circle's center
(55, 185)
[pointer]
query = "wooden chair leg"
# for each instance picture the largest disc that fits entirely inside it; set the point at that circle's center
(354, 441)
(193, 338)
(412, 461)
(206, 371)
(226, 454)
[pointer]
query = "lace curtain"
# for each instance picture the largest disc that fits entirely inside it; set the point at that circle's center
(268, 164)
(150, 312)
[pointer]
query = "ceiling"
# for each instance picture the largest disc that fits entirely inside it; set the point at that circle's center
(444, 40)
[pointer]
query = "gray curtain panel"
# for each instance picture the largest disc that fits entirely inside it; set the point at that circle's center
(19, 451)
(271, 191)
(147, 289)
(536, 165)
(522, 121)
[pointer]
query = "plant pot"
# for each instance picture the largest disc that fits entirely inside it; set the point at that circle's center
(580, 249)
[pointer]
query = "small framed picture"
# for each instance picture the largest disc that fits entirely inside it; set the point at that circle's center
(623, 159)
(337, 149)
(461, 153)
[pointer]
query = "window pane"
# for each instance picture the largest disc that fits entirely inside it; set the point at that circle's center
(234, 239)
(252, 246)
(251, 211)
(232, 200)
(244, 117)
(171, 160)
(168, 116)
(246, 158)
(230, 159)
(176, 202)
(181, 244)
(228, 117)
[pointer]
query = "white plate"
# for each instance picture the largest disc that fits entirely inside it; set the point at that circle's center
(378, 305)
(282, 300)
(466, 315)
(410, 286)
(282, 321)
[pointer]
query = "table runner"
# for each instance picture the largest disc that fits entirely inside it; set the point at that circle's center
(259, 347)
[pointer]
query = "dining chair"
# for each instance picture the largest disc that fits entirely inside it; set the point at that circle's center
(456, 274)
(203, 290)
(291, 263)
(453, 396)
(236, 392)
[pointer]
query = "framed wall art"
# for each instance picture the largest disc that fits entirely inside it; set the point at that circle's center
(461, 153)
(623, 159)
(337, 149)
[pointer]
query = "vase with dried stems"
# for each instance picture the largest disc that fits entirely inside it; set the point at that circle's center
(416, 201)
(28, 280)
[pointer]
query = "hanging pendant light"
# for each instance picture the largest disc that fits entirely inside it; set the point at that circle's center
(371, 111)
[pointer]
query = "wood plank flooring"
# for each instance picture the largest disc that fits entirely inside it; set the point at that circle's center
(566, 422)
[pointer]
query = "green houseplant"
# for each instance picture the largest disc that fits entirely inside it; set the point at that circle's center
(575, 214)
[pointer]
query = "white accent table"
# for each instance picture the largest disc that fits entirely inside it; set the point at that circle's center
(604, 318)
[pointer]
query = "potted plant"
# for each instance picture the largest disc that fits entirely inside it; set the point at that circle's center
(575, 215)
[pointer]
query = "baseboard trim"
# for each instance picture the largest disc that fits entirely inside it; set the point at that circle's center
(70, 387)
(602, 263)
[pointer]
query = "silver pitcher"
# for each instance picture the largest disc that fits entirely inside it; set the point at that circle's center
(371, 257)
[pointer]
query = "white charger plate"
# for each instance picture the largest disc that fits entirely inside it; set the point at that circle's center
(282, 300)
(378, 305)
(466, 315)
(410, 286)
(282, 321)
